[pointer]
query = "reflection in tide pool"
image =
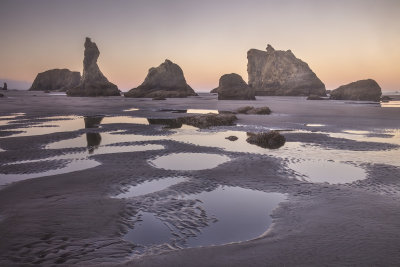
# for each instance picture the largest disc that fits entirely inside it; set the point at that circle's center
(131, 109)
(242, 214)
(72, 123)
(72, 166)
(149, 187)
(202, 111)
(11, 116)
(148, 230)
(107, 138)
(390, 136)
(189, 161)
(291, 150)
(239, 215)
(77, 162)
(56, 125)
(390, 104)
(315, 125)
(319, 171)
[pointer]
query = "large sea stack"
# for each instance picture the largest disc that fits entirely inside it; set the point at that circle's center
(55, 80)
(275, 72)
(233, 87)
(167, 80)
(93, 82)
(365, 90)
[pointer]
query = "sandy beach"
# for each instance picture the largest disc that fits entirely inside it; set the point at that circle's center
(61, 182)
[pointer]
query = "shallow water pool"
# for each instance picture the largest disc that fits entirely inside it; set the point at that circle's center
(236, 214)
(189, 161)
(320, 171)
(149, 187)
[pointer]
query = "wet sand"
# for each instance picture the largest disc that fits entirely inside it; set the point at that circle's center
(75, 218)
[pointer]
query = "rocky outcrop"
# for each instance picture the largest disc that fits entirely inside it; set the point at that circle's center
(56, 80)
(214, 91)
(208, 120)
(275, 72)
(233, 87)
(365, 90)
(165, 81)
(199, 121)
(271, 139)
(4, 86)
(253, 110)
(93, 82)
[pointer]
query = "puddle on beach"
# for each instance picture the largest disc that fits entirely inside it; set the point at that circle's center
(242, 214)
(236, 214)
(149, 187)
(11, 116)
(291, 150)
(73, 123)
(356, 132)
(189, 161)
(319, 171)
(6, 119)
(58, 94)
(131, 109)
(390, 136)
(315, 125)
(98, 143)
(149, 231)
(390, 104)
(202, 111)
(72, 166)
(76, 161)
(191, 111)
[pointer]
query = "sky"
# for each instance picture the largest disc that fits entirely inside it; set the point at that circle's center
(342, 41)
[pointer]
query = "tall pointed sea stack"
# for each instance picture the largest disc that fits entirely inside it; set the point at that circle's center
(167, 80)
(93, 82)
(275, 72)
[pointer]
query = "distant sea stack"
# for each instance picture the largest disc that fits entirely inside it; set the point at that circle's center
(233, 87)
(4, 87)
(56, 80)
(165, 81)
(93, 82)
(275, 72)
(363, 90)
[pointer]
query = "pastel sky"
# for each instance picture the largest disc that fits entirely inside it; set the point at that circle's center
(342, 40)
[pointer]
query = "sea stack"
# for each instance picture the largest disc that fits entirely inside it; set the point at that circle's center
(55, 80)
(363, 90)
(275, 72)
(93, 82)
(5, 86)
(164, 81)
(233, 87)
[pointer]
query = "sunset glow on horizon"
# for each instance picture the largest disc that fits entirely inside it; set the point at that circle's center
(342, 41)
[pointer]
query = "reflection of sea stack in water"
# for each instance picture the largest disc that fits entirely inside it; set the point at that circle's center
(93, 139)
(93, 121)
(93, 82)
(167, 80)
(55, 80)
(275, 72)
(366, 90)
(232, 87)
(170, 123)
(4, 87)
